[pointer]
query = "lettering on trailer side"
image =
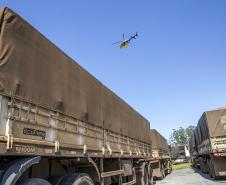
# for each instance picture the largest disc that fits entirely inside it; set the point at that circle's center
(24, 149)
(34, 132)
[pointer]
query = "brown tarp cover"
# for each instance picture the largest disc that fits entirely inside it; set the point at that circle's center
(158, 141)
(192, 142)
(35, 70)
(211, 124)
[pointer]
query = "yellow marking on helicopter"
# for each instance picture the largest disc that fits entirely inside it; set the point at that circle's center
(124, 44)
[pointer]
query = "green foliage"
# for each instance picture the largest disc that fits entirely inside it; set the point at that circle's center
(181, 166)
(180, 136)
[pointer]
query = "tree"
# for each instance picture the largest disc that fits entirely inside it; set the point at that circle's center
(180, 136)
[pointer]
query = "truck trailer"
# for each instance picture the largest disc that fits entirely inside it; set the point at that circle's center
(180, 154)
(208, 143)
(193, 149)
(161, 162)
(58, 124)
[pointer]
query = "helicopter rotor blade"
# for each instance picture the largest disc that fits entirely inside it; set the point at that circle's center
(123, 36)
(117, 42)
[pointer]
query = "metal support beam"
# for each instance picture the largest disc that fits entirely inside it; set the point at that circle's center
(111, 173)
(102, 169)
(120, 167)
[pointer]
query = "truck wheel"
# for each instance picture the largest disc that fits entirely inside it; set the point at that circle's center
(201, 165)
(212, 171)
(202, 168)
(151, 180)
(171, 169)
(145, 178)
(35, 181)
(76, 179)
(150, 175)
(208, 166)
(162, 172)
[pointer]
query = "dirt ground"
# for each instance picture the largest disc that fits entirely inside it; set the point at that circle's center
(189, 177)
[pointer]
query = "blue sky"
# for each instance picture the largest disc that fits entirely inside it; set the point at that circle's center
(173, 72)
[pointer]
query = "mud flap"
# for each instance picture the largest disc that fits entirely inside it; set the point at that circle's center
(13, 172)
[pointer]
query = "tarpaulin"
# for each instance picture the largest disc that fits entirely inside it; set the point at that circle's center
(158, 141)
(35, 70)
(212, 124)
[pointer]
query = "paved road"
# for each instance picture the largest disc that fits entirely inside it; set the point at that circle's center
(188, 177)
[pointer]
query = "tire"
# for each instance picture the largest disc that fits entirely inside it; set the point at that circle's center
(169, 168)
(151, 180)
(145, 178)
(202, 166)
(208, 166)
(76, 179)
(212, 171)
(35, 181)
(163, 174)
(150, 175)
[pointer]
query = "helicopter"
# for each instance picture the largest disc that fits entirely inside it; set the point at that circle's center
(125, 42)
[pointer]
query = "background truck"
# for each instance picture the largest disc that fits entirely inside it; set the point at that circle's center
(180, 154)
(208, 143)
(193, 149)
(161, 162)
(58, 124)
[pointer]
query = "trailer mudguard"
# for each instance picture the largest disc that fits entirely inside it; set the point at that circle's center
(13, 172)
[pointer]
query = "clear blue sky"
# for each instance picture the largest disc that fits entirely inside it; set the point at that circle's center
(171, 74)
